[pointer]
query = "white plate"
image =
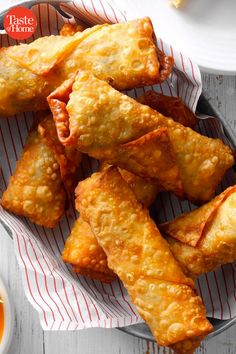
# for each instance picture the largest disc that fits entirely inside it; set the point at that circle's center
(205, 30)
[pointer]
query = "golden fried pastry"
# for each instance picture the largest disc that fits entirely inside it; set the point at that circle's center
(67, 157)
(92, 116)
(144, 190)
(205, 238)
(36, 189)
(69, 29)
(123, 54)
(152, 155)
(137, 253)
(172, 107)
(83, 252)
(106, 277)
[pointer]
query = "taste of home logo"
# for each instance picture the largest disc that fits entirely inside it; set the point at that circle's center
(20, 23)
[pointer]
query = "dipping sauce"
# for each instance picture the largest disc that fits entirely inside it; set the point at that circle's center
(1, 319)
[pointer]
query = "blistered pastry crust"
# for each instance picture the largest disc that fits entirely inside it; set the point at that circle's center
(36, 190)
(163, 296)
(122, 54)
(84, 253)
(98, 119)
(204, 239)
(172, 107)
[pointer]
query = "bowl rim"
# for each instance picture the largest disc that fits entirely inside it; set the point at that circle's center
(9, 316)
(137, 331)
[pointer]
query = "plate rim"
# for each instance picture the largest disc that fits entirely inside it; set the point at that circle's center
(216, 67)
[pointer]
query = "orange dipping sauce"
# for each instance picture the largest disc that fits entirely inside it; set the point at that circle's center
(1, 319)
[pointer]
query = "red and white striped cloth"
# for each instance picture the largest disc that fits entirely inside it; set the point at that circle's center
(66, 301)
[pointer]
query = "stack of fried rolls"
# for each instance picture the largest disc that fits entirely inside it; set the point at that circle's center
(145, 147)
(137, 253)
(123, 54)
(108, 125)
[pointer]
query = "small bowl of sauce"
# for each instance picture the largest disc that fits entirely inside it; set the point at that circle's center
(6, 318)
(1, 319)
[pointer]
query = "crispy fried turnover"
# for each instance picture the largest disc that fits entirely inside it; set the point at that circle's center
(172, 107)
(37, 189)
(122, 54)
(84, 253)
(151, 155)
(82, 250)
(164, 297)
(86, 109)
(69, 29)
(67, 157)
(205, 238)
(166, 64)
(144, 190)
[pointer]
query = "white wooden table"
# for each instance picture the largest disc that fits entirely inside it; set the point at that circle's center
(29, 338)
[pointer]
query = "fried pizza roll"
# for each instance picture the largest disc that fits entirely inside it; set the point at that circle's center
(82, 250)
(144, 190)
(36, 189)
(105, 277)
(151, 156)
(28, 72)
(205, 238)
(172, 107)
(69, 29)
(68, 158)
(123, 54)
(85, 109)
(163, 295)
(191, 259)
(84, 253)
